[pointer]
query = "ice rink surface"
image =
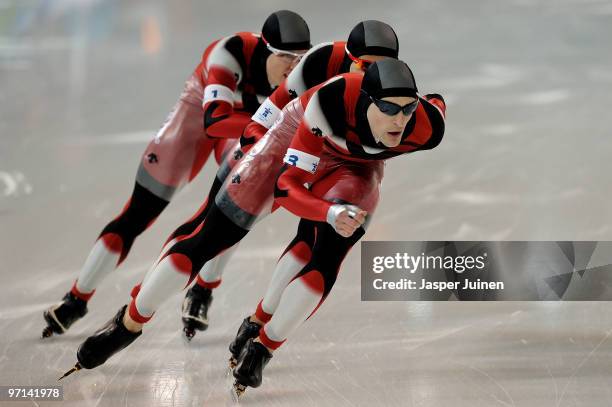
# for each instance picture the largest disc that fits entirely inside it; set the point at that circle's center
(84, 84)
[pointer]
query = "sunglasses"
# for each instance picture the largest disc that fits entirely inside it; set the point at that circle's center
(391, 109)
(292, 56)
(362, 64)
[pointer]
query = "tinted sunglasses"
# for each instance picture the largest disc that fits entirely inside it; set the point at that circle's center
(391, 109)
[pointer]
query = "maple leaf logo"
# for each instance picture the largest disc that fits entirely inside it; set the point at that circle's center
(317, 131)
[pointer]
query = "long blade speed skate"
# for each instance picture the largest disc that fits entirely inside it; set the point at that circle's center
(249, 370)
(248, 330)
(108, 340)
(195, 310)
(61, 316)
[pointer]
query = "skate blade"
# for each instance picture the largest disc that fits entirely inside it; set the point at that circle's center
(76, 368)
(188, 334)
(229, 372)
(53, 325)
(47, 332)
(232, 363)
(237, 391)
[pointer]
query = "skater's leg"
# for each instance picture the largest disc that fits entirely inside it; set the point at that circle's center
(171, 274)
(178, 152)
(302, 297)
(199, 297)
(289, 265)
(299, 300)
(211, 274)
(116, 239)
(192, 223)
(347, 183)
(233, 154)
(245, 197)
(110, 249)
(293, 259)
(173, 158)
(180, 263)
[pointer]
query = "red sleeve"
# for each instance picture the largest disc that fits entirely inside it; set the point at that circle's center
(220, 119)
(301, 162)
(290, 190)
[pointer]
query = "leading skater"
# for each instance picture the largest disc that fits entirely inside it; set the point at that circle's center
(235, 74)
(350, 125)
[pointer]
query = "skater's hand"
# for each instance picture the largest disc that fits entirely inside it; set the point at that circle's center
(346, 219)
(348, 222)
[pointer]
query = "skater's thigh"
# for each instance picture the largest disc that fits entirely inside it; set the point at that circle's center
(170, 157)
(231, 155)
(250, 184)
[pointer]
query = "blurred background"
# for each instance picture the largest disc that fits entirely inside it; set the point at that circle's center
(85, 84)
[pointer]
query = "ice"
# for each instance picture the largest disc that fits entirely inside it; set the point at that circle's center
(526, 156)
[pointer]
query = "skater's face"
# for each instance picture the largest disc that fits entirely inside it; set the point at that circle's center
(387, 128)
(362, 63)
(280, 64)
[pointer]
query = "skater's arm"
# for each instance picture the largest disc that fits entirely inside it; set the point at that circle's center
(220, 119)
(291, 194)
(302, 160)
(224, 74)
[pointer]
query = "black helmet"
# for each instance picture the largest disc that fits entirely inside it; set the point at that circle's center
(372, 37)
(389, 77)
(286, 30)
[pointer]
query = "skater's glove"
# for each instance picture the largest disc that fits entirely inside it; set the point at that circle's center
(345, 219)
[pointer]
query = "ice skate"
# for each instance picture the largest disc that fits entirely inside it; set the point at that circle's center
(103, 344)
(60, 317)
(248, 330)
(249, 370)
(195, 310)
